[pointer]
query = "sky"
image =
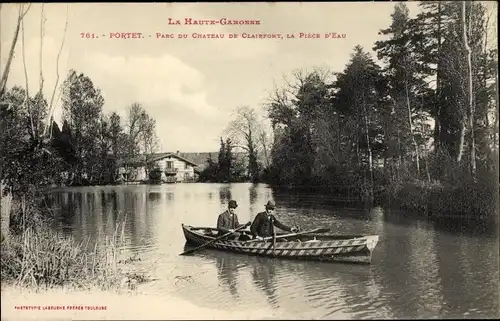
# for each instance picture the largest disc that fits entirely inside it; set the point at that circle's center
(189, 86)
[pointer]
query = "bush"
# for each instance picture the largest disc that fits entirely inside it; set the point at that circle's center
(47, 258)
(37, 256)
(470, 198)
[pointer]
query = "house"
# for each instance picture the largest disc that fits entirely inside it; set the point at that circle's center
(173, 167)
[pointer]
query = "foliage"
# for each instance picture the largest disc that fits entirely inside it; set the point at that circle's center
(248, 133)
(86, 151)
(406, 128)
(155, 175)
(42, 257)
(27, 162)
(227, 169)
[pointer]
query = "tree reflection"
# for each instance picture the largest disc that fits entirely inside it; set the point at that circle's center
(225, 194)
(154, 197)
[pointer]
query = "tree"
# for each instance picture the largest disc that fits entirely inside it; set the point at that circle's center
(5, 75)
(446, 39)
(294, 111)
(407, 87)
(245, 131)
(141, 131)
(116, 135)
(209, 173)
(265, 140)
(470, 89)
(358, 92)
(82, 109)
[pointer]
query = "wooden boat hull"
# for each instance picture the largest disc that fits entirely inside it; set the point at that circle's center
(351, 249)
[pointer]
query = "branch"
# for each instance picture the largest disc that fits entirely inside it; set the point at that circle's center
(40, 90)
(22, 16)
(26, 102)
(41, 48)
(5, 74)
(51, 107)
(0, 38)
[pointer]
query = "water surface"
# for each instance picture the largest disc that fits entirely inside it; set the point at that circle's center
(420, 269)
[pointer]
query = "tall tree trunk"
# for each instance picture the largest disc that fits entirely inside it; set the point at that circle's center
(497, 117)
(358, 158)
(470, 93)
(463, 121)
(339, 139)
(0, 38)
(5, 74)
(437, 126)
(5, 208)
(410, 122)
(461, 141)
(370, 155)
(427, 169)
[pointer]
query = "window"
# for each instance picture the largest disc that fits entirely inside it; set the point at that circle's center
(170, 165)
(185, 165)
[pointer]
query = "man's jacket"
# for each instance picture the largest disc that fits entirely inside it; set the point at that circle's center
(263, 225)
(226, 221)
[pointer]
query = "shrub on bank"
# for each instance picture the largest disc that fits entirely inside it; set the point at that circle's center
(470, 198)
(46, 258)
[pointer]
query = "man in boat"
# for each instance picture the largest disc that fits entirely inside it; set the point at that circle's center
(228, 222)
(264, 223)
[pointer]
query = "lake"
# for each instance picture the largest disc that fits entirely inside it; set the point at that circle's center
(420, 269)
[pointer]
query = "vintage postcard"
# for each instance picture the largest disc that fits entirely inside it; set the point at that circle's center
(257, 160)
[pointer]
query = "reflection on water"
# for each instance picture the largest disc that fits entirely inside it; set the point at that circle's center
(227, 270)
(420, 269)
(264, 278)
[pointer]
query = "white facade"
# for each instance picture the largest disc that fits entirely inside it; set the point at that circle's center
(173, 167)
(183, 170)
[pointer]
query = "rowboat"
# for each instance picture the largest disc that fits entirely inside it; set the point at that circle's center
(321, 247)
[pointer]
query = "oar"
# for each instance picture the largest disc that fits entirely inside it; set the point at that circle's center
(318, 230)
(214, 240)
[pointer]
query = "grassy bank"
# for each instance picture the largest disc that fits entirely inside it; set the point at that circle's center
(468, 199)
(44, 258)
(37, 256)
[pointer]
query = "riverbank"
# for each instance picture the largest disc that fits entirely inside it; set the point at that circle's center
(19, 303)
(36, 255)
(463, 200)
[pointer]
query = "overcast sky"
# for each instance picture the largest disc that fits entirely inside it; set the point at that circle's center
(190, 86)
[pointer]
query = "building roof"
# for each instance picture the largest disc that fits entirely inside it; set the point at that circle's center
(150, 158)
(198, 160)
(201, 158)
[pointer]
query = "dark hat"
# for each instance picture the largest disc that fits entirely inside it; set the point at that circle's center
(270, 204)
(232, 204)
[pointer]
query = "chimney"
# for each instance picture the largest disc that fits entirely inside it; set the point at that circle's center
(177, 153)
